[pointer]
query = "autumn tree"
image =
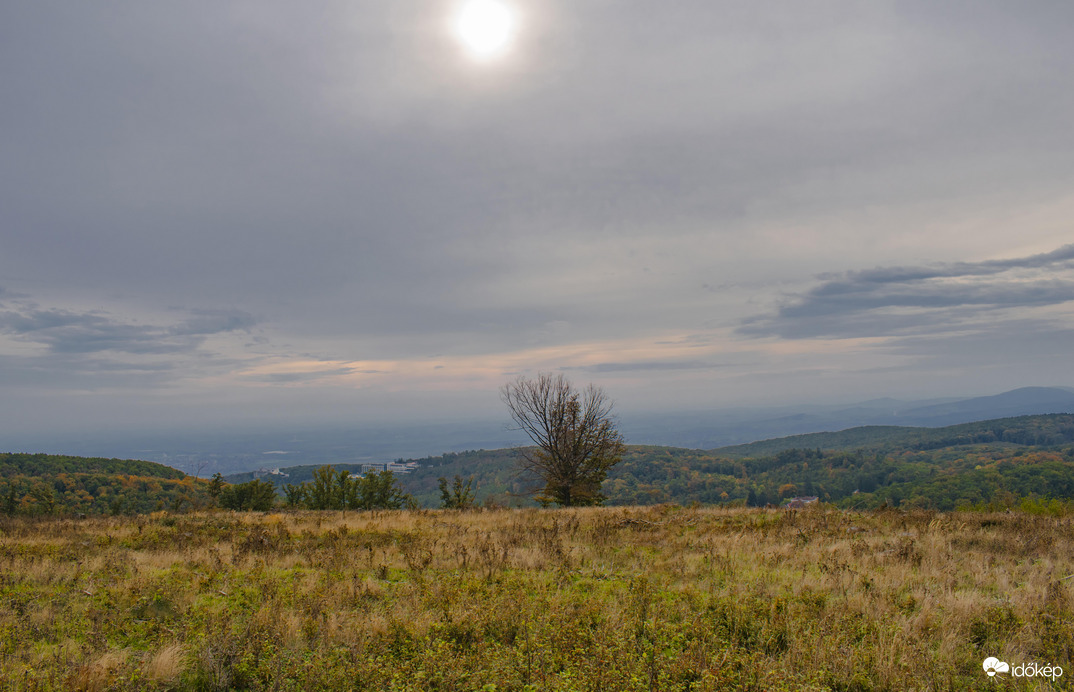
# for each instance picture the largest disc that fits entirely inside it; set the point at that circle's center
(574, 434)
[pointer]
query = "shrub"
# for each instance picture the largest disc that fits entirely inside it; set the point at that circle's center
(256, 495)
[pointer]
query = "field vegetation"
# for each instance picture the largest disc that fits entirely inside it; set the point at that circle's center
(615, 598)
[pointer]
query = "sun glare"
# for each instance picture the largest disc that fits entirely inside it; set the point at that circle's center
(486, 28)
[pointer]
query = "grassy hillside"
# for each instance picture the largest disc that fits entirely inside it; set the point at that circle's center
(36, 484)
(558, 600)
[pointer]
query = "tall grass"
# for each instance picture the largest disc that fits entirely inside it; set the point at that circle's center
(659, 598)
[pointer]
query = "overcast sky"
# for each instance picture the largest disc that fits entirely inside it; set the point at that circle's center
(257, 211)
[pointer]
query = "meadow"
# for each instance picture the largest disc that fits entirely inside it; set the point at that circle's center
(655, 598)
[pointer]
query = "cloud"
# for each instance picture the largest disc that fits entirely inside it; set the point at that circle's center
(899, 300)
(60, 348)
(72, 332)
(646, 366)
(80, 373)
(297, 377)
(372, 199)
(1063, 256)
(207, 322)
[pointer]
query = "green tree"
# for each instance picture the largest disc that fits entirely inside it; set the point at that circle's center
(256, 495)
(322, 492)
(346, 492)
(377, 490)
(44, 496)
(216, 485)
(11, 501)
(340, 490)
(459, 496)
(574, 433)
(294, 495)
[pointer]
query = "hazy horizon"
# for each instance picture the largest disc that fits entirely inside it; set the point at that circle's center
(231, 448)
(230, 214)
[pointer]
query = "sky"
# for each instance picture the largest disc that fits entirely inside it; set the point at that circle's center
(260, 212)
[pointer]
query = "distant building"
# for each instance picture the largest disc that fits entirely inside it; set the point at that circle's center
(393, 466)
(270, 472)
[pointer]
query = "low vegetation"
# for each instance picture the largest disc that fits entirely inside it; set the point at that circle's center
(658, 598)
(127, 575)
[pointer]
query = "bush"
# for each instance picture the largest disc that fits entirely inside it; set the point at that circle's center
(256, 495)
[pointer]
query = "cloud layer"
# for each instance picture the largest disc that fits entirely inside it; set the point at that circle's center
(220, 210)
(898, 300)
(69, 332)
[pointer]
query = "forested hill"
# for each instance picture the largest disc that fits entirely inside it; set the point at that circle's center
(56, 484)
(1040, 430)
(54, 464)
(974, 464)
(995, 461)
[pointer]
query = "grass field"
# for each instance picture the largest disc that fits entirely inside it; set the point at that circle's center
(660, 598)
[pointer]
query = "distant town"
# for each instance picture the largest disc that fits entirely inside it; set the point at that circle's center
(393, 466)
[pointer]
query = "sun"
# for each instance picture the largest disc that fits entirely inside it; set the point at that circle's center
(486, 28)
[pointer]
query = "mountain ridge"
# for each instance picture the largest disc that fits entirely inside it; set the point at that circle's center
(919, 437)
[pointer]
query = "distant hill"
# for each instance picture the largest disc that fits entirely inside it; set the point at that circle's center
(41, 465)
(986, 463)
(1017, 402)
(868, 466)
(235, 450)
(852, 438)
(59, 484)
(723, 428)
(967, 464)
(944, 468)
(1041, 430)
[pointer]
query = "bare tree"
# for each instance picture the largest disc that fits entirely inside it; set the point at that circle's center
(574, 433)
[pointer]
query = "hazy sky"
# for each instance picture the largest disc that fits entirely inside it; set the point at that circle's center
(258, 211)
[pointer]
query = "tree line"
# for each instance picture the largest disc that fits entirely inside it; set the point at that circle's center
(336, 490)
(329, 489)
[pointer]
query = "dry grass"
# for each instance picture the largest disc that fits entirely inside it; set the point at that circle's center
(655, 598)
(167, 665)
